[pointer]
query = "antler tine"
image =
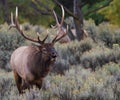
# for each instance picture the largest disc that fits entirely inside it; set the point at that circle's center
(12, 22)
(57, 39)
(41, 42)
(45, 38)
(62, 19)
(54, 40)
(17, 26)
(57, 22)
(63, 15)
(54, 26)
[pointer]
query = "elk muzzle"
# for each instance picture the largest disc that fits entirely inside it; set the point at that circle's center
(53, 55)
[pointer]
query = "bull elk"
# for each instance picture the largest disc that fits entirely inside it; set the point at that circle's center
(30, 64)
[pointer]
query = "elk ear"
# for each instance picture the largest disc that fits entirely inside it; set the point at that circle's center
(39, 46)
(35, 44)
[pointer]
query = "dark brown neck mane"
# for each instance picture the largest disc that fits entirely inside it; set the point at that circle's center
(40, 67)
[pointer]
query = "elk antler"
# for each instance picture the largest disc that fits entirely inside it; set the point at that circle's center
(19, 28)
(61, 32)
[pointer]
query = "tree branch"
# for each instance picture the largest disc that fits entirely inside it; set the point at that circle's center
(42, 12)
(97, 9)
(67, 10)
(43, 5)
(83, 4)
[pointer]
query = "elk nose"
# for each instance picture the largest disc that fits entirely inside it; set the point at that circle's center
(54, 54)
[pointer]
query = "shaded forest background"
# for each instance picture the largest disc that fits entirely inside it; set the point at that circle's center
(40, 12)
(36, 10)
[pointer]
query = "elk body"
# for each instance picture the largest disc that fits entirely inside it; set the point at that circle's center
(30, 64)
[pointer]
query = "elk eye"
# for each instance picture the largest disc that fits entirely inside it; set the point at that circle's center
(44, 49)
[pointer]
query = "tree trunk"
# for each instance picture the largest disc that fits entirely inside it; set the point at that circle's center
(78, 22)
(4, 5)
(70, 34)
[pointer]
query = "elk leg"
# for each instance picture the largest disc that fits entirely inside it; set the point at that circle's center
(18, 81)
(39, 84)
(25, 85)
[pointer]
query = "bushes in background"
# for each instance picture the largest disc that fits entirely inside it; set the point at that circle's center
(73, 53)
(105, 33)
(74, 82)
(100, 56)
(73, 50)
(70, 54)
(9, 41)
(77, 84)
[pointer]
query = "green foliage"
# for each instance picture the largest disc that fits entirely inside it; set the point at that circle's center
(42, 19)
(97, 17)
(26, 12)
(112, 12)
(91, 10)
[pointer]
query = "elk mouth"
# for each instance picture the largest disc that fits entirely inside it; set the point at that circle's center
(53, 58)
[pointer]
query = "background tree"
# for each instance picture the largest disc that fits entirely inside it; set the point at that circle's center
(112, 12)
(78, 9)
(40, 11)
(26, 12)
(4, 11)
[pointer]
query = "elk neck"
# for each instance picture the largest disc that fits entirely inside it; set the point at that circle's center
(38, 65)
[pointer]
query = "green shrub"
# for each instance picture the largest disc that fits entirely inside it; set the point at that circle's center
(9, 41)
(117, 38)
(114, 69)
(100, 56)
(72, 51)
(106, 33)
(107, 38)
(91, 28)
(77, 84)
(8, 90)
(60, 66)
